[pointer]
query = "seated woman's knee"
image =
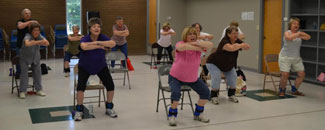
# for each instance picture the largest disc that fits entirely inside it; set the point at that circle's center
(301, 74)
(205, 93)
(285, 74)
(176, 96)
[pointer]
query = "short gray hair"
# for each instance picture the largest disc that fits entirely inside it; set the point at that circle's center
(75, 26)
(23, 11)
(119, 18)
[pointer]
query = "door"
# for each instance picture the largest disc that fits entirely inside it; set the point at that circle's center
(272, 30)
(152, 21)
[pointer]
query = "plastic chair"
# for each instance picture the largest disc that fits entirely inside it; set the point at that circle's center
(61, 36)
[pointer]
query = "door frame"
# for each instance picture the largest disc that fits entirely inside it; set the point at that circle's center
(261, 48)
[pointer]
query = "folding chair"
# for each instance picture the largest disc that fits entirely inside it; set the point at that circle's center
(99, 87)
(154, 51)
(14, 80)
(272, 58)
(163, 71)
(117, 56)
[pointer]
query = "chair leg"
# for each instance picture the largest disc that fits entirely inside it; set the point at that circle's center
(158, 99)
(124, 79)
(290, 82)
(189, 97)
(154, 60)
(182, 101)
(12, 83)
(17, 87)
(274, 85)
(264, 83)
(99, 98)
(162, 92)
(129, 80)
(104, 96)
(151, 64)
(74, 96)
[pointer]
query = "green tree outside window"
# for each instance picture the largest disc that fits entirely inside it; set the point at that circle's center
(73, 14)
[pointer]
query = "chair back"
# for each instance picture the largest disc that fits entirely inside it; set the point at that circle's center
(164, 70)
(115, 55)
(1, 40)
(13, 39)
(270, 58)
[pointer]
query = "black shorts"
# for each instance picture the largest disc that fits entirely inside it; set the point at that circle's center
(104, 75)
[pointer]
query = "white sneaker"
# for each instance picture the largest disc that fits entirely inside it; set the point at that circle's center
(172, 121)
(214, 100)
(201, 118)
(111, 113)
(40, 93)
(22, 95)
(233, 99)
(66, 74)
(78, 116)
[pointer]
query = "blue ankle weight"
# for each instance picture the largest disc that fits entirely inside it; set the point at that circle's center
(198, 110)
(172, 112)
(293, 88)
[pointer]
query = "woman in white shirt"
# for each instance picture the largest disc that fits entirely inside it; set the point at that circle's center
(165, 42)
(241, 35)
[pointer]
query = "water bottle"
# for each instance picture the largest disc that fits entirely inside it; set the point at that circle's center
(91, 109)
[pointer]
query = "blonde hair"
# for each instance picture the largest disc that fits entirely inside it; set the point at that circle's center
(166, 24)
(186, 31)
(291, 21)
(234, 23)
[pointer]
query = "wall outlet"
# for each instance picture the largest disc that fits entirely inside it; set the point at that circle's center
(169, 17)
(257, 27)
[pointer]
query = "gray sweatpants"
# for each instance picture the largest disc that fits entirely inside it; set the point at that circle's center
(37, 75)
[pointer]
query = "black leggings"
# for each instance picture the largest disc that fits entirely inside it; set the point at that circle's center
(169, 50)
(104, 75)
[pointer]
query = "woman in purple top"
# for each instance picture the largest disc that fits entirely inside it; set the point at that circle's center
(184, 71)
(92, 61)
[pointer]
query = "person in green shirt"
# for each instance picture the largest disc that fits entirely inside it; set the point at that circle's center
(72, 48)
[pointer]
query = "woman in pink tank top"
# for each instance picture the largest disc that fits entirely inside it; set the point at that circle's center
(184, 72)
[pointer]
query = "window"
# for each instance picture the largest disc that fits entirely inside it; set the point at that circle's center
(73, 14)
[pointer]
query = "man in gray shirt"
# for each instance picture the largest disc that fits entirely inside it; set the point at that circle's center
(30, 55)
